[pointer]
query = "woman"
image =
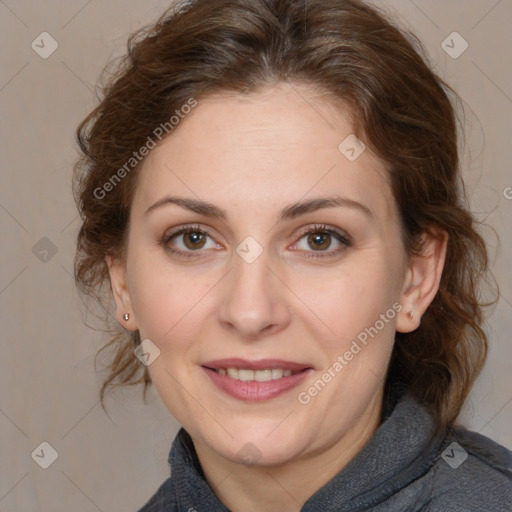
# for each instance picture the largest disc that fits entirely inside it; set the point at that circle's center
(270, 192)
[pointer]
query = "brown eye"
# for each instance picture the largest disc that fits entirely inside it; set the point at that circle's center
(322, 242)
(319, 241)
(194, 240)
(189, 241)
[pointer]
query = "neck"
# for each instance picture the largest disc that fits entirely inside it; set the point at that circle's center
(285, 487)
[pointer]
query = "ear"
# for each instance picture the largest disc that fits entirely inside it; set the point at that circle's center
(422, 280)
(121, 292)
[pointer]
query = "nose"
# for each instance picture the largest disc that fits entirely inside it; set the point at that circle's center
(253, 303)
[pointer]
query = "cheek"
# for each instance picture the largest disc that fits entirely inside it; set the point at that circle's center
(157, 297)
(167, 303)
(346, 301)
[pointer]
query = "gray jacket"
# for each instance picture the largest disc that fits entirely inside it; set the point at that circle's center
(400, 469)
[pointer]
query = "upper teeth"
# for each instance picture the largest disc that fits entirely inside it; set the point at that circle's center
(258, 375)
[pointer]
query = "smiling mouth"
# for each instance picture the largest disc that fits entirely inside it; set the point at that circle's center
(247, 375)
(255, 381)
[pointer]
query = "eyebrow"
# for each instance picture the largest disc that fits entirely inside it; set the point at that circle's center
(291, 211)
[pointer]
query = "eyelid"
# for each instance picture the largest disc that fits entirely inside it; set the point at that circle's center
(181, 230)
(342, 237)
(326, 229)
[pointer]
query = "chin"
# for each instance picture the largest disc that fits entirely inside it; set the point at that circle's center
(261, 446)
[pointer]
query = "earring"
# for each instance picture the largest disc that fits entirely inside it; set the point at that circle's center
(126, 317)
(411, 315)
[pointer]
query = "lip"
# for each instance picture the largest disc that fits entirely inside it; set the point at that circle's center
(253, 391)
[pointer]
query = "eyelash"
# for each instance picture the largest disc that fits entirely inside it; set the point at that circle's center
(344, 240)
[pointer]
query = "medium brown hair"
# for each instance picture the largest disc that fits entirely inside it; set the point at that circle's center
(402, 111)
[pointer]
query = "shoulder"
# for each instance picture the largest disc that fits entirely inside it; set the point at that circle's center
(471, 473)
(162, 500)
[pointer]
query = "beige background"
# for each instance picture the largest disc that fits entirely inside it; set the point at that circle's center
(48, 391)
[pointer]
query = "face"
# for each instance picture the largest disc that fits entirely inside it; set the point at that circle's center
(298, 304)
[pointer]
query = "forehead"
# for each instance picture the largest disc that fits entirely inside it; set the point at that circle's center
(261, 151)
